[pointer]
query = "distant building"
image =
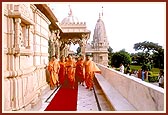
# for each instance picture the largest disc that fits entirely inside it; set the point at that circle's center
(100, 44)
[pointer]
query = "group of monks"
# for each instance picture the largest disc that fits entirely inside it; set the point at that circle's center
(68, 71)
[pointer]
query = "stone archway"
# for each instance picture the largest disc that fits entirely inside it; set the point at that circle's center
(73, 38)
(71, 32)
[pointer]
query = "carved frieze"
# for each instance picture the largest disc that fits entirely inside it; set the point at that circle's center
(22, 11)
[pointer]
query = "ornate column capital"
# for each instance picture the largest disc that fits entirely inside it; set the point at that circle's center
(17, 20)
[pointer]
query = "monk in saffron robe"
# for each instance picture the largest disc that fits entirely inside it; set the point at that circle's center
(90, 69)
(70, 72)
(80, 75)
(61, 73)
(53, 68)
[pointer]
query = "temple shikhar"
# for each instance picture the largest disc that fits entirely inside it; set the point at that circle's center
(99, 46)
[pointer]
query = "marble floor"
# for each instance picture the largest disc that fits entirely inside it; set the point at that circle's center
(87, 100)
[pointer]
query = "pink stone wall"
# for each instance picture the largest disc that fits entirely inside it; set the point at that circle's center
(24, 75)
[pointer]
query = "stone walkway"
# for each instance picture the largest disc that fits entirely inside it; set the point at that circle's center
(87, 100)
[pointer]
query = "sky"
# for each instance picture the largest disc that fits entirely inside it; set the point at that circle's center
(126, 23)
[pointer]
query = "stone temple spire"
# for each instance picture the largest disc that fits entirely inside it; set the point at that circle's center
(100, 42)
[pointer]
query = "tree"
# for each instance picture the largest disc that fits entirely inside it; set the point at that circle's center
(138, 57)
(78, 50)
(120, 57)
(110, 53)
(147, 46)
(152, 51)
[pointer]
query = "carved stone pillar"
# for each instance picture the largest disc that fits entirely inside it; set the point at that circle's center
(59, 54)
(52, 45)
(66, 50)
(62, 47)
(82, 44)
(28, 37)
(58, 43)
(17, 32)
(10, 45)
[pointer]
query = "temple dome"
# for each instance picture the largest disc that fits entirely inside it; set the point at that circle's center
(70, 19)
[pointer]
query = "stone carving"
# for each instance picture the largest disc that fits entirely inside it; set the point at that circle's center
(24, 9)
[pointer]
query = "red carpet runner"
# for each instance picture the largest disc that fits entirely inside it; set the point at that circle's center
(64, 100)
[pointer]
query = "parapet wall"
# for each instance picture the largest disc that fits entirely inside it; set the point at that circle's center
(142, 95)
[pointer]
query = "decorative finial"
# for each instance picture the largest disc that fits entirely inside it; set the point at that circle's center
(70, 11)
(102, 11)
(99, 16)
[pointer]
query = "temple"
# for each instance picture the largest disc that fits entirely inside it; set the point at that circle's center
(32, 34)
(99, 46)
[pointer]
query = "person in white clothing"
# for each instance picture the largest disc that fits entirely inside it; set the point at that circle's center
(121, 68)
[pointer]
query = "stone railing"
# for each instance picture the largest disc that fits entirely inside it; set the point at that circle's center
(142, 95)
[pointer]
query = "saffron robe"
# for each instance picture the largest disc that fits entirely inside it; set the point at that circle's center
(90, 69)
(53, 68)
(61, 73)
(70, 73)
(80, 75)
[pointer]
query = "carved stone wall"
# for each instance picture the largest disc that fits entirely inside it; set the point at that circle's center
(25, 47)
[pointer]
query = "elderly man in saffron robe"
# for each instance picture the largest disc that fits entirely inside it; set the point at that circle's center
(53, 68)
(61, 73)
(80, 75)
(90, 69)
(70, 72)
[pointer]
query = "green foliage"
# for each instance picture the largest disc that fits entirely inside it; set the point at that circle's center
(151, 52)
(120, 57)
(153, 78)
(110, 54)
(135, 67)
(152, 75)
(147, 46)
(117, 69)
(146, 66)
